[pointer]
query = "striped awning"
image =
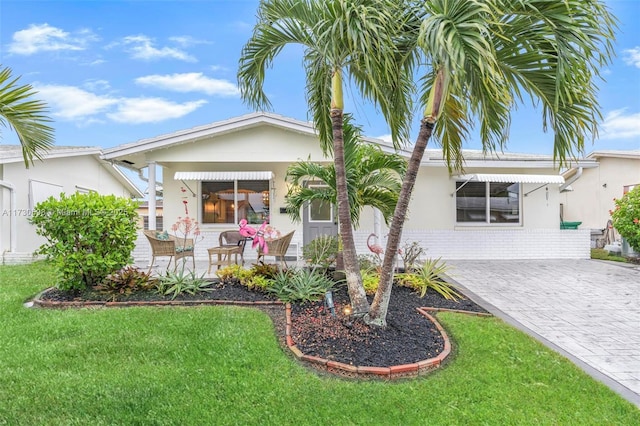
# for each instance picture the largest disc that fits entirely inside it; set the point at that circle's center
(223, 176)
(510, 178)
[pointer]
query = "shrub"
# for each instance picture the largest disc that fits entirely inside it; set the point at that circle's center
(177, 283)
(126, 281)
(369, 262)
(626, 217)
(410, 254)
(265, 269)
(429, 277)
(322, 251)
(258, 282)
(229, 273)
(370, 281)
(89, 236)
(300, 285)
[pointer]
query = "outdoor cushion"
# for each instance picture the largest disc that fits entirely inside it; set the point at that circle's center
(181, 249)
(164, 236)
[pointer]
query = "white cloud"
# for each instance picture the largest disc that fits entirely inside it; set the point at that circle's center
(618, 125)
(141, 47)
(632, 56)
(190, 82)
(84, 107)
(186, 41)
(151, 110)
(73, 103)
(96, 85)
(45, 38)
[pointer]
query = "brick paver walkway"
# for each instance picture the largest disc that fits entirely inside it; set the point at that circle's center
(589, 309)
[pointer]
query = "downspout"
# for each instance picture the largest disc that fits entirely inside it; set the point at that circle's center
(572, 179)
(13, 233)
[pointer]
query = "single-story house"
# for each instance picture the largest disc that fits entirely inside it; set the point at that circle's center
(591, 196)
(63, 169)
(504, 206)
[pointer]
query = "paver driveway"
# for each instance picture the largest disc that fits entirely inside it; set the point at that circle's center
(588, 308)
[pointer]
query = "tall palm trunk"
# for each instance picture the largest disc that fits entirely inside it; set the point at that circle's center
(359, 302)
(378, 313)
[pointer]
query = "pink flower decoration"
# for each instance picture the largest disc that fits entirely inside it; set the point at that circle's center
(256, 235)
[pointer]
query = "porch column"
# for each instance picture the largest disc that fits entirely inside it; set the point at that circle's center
(151, 165)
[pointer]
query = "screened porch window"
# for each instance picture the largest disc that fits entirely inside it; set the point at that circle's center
(231, 201)
(488, 202)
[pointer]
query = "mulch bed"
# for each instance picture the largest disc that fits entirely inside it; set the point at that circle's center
(408, 338)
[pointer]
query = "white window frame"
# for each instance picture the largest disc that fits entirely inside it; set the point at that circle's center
(487, 221)
(235, 202)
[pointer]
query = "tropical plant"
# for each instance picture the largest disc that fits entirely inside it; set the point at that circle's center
(177, 283)
(229, 273)
(88, 236)
(626, 217)
(373, 178)
(430, 276)
(266, 270)
(20, 112)
(410, 253)
(358, 37)
(483, 58)
(300, 285)
(321, 252)
(370, 281)
(127, 280)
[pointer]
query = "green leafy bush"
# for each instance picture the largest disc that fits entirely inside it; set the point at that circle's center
(126, 281)
(258, 282)
(89, 236)
(300, 285)
(322, 251)
(370, 281)
(266, 270)
(368, 262)
(429, 277)
(626, 217)
(176, 283)
(229, 273)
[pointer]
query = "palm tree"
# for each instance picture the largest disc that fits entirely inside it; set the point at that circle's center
(484, 58)
(358, 38)
(373, 178)
(27, 117)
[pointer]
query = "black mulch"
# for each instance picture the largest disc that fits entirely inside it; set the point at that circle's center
(409, 337)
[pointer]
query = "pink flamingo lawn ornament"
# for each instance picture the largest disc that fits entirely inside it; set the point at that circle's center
(374, 247)
(256, 234)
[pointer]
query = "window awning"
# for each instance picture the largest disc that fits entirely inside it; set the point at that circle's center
(223, 176)
(513, 178)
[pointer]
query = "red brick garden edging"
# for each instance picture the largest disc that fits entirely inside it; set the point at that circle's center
(37, 301)
(390, 372)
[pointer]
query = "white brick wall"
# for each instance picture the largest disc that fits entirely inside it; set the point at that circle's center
(448, 244)
(496, 243)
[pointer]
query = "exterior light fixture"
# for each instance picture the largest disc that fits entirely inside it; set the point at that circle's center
(328, 303)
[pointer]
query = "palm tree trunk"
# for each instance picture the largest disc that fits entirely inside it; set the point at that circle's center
(359, 302)
(378, 313)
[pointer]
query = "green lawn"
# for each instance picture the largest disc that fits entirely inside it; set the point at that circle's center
(602, 254)
(223, 365)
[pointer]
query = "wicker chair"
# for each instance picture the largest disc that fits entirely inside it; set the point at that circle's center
(173, 247)
(230, 243)
(277, 248)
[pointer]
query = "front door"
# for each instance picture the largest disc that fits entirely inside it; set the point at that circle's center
(319, 218)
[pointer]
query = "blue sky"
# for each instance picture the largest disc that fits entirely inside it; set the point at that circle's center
(114, 72)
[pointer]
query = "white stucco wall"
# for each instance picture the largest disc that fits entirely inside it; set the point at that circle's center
(593, 194)
(84, 171)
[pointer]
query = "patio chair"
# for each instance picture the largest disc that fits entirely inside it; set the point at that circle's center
(230, 243)
(277, 248)
(165, 245)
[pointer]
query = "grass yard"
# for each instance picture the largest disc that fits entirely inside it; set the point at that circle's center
(223, 365)
(602, 254)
